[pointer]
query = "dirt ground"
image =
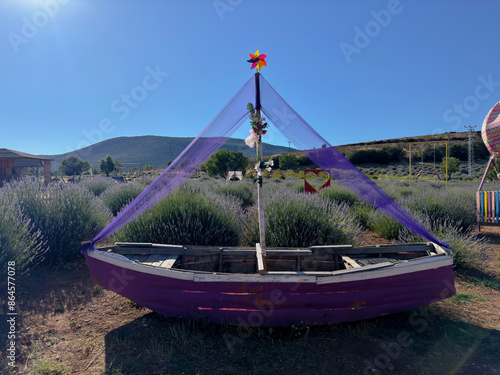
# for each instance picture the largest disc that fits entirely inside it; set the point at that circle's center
(68, 324)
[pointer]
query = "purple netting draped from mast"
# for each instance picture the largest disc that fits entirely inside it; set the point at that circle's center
(194, 155)
(298, 131)
(316, 148)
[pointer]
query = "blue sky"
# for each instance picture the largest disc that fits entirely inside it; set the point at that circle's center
(355, 70)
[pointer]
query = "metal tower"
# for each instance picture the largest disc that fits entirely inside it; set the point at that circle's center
(470, 130)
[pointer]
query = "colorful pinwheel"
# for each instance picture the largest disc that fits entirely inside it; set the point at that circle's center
(257, 60)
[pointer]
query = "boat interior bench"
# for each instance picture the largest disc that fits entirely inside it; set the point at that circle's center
(313, 260)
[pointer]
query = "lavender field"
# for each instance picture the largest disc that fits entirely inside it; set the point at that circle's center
(45, 224)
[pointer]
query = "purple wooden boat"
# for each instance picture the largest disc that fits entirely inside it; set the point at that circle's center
(265, 286)
(316, 285)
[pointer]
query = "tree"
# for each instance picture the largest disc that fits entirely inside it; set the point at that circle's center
(304, 160)
(86, 166)
(107, 165)
(72, 165)
(459, 151)
(288, 161)
(224, 161)
(394, 153)
(148, 167)
(453, 164)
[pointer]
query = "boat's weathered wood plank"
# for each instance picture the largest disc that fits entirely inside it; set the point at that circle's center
(145, 250)
(260, 260)
(326, 280)
(169, 261)
(133, 244)
(142, 258)
(331, 247)
(167, 246)
(309, 273)
(159, 260)
(376, 249)
(201, 251)
(151, 259)
(352, 263)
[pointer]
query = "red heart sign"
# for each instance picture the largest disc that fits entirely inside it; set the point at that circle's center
(311, 189)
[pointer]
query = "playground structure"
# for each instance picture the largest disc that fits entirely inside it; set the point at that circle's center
(487, 202)
(432, 169)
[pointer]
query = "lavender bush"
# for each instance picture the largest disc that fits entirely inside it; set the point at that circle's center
(470, 251)
(437, 205)
(19, 240)
(146, 180)
(244, 190)
(98, 185)
(65, 215)
(383, 225)
(340, 194)
(457, 206)
(118, 196)
(295, 184)
(189, 216)
(294, 219)
(362, 211)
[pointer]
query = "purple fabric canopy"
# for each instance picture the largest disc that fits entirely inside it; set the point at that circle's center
(296, 129)
(194, 155)
(316, 148)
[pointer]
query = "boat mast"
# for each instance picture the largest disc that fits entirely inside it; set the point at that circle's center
(260, 192)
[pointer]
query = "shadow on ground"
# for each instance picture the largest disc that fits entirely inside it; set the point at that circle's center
(416, 342)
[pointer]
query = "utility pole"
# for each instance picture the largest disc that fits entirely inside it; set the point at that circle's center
(470, 130)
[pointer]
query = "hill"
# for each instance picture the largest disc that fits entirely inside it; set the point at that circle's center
(158, 150)
(452, 137)
(153, 150)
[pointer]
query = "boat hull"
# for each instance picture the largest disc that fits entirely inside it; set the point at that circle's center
(268, 301)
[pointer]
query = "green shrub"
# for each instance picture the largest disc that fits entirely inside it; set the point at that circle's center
(382, 156)
(304, 160)
(299, 174)
(288, 161)
(279, 174)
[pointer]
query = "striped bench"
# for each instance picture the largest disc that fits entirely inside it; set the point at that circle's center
(488, 208)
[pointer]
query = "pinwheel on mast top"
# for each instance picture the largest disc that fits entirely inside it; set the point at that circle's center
(257, 60)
